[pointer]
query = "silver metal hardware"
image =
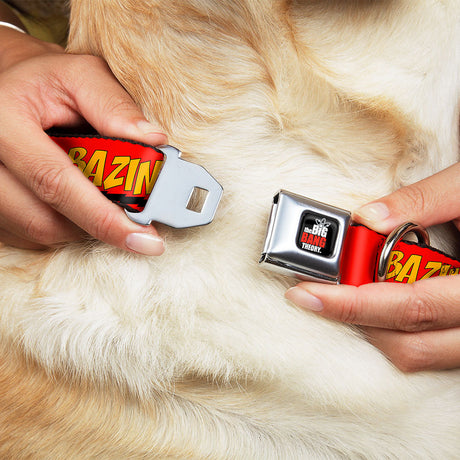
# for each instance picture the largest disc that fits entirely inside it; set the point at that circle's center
(396, 235)
(168, 201)
(305, 238)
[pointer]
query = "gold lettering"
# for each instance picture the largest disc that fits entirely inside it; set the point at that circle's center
(444, 270)
(112, 180)
(132, 168)
(77, 154)
(410, 269)
(95, 167)
(143, 175)
(433, 267)
(395, 257)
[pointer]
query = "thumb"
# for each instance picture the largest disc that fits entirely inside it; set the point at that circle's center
(431, 201)
(107, 106)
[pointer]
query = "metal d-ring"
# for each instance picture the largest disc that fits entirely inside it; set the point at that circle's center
(396, 235)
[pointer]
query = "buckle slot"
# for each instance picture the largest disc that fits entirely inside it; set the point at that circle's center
(169, 200)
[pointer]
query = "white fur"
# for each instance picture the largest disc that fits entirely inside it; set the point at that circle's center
(271, 381)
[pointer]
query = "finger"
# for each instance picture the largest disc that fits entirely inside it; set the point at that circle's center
(47, 171)
(431, 201)
(411, 352)
(50, 174)
(112, 112)
(63, 92)
(23, 215)
(10, 239)
(429, 304)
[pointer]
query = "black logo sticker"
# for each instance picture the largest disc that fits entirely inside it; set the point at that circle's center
(317, 234)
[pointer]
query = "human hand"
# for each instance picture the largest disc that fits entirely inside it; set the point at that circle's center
(417, 326)
(44, 199)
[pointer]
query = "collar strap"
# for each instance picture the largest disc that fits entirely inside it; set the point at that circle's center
(151, 183)
(318, 242)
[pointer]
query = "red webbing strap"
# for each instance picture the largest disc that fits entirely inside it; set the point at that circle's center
(360, 255)
(124, 171)
(409, 261)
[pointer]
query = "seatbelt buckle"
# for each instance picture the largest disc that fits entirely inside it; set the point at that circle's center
(305, 238)
(317, 242)
(151, 183)
(169, 200)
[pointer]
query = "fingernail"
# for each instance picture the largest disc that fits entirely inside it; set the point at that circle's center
(152, 131)
(304, 299)
(146, 244)
(373, 212)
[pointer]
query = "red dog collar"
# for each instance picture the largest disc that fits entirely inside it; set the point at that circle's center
(152, 184)
(318, 242)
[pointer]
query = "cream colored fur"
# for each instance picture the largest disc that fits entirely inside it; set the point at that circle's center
(195, 354)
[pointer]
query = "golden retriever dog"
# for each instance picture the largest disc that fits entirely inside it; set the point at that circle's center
(196, 354)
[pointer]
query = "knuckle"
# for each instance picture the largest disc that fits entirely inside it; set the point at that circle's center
(415, 197)
(117, 107)
(76, 69)
(40, 231)
(348, 312)
(47, 183)
(104, 227)
(119, 104)
(417, 315)
(413, 355)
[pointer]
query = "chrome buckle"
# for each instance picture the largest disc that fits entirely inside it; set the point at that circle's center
(175, 185)
(305, 238)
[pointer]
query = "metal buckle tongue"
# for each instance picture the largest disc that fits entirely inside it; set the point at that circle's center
(169, 199)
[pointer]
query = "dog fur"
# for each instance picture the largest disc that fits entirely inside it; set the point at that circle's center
(196, 354)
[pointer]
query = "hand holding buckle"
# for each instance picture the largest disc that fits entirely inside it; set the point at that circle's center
(317, 242)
